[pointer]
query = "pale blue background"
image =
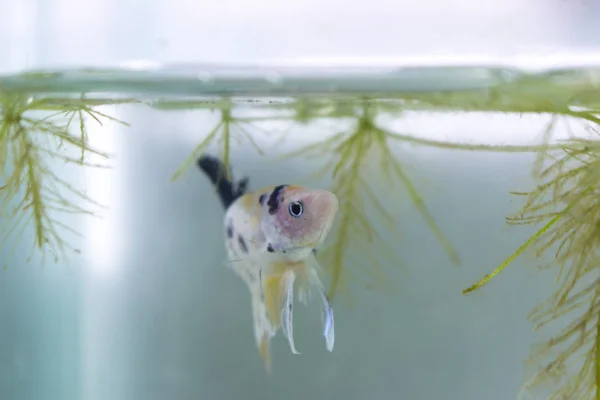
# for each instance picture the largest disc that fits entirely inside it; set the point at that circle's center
(149, 312)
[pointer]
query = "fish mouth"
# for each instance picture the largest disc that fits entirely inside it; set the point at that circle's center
(323, 233)
(313, 244)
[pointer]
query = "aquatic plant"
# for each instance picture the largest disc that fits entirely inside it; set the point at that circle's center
(35, 132)
(350, 157)
(32, 192)
(222, 134)
(566, 203)
(349, 154)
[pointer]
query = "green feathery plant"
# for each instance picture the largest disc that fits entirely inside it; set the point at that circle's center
(355, 240)
(567, 205)
(32, 192)
(223, 134)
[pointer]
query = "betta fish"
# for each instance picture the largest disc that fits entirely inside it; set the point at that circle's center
(271, 238)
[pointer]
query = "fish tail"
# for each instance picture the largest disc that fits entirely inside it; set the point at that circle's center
(217, 172)
(263, 328)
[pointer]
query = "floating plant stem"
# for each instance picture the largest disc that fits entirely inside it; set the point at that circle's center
(483, 281)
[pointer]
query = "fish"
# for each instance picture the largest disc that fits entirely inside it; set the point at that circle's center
(271, 239)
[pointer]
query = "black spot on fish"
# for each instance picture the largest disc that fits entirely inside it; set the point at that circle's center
(242, 243)
(314, 251)
(270, 248)
(290, 307)
(261, 199)
(274, 199)
(230, 229)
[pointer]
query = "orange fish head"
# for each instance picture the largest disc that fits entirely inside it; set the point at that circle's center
(297, 218)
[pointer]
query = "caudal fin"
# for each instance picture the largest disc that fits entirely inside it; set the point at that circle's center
(263, 326)
(216, 171)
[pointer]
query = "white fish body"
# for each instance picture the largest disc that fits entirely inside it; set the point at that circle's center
(270, 238)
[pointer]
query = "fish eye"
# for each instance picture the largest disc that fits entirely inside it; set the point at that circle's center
(295, 209)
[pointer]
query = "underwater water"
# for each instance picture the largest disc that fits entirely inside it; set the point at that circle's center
(146, 309)
(149, 310)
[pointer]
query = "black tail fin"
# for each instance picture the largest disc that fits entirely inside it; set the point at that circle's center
(227, 190)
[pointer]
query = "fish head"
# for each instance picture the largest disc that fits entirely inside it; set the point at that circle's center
(295, 218)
